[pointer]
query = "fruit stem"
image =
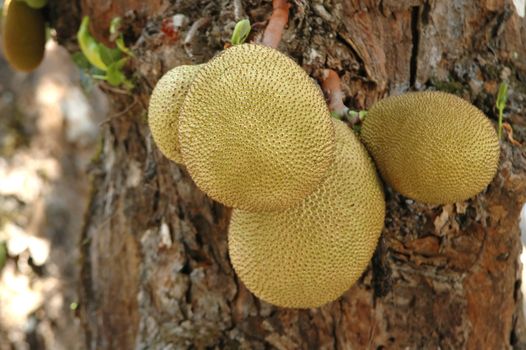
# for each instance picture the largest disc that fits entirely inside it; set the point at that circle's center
(331, 85)
(276, 24)
(502, 98)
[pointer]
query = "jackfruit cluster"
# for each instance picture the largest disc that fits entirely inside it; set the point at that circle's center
(255, 134)
(23, 35)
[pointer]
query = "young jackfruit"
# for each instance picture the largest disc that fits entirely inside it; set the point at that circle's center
(310, 254)
(23, 35)
(165, 106)
(433, 147)
(255, 131)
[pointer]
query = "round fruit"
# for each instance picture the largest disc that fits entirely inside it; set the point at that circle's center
(165, 106)
(310, 254)
(255, 130)
(433, 147)
(23, 35)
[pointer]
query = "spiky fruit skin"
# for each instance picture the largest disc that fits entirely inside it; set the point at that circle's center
(165, 106)
(433, 147)
(23, 35)
(311, 254)
(255, 130)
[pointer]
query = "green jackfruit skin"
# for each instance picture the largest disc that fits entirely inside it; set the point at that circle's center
(311, 254)
(433, 147)
(255, 130)
(165, 107)
(23, 35)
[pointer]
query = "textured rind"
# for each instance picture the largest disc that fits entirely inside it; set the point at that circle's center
(165, 107)
(23, 35)
(255, 130)
(311, 254)
(433, 147)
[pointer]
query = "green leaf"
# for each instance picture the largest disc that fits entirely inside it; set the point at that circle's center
(109, 56)
(502, 96)
(122, 46)
(122, 62)
(89, 46)
(116, 35)
(114, 74)
(115, 25)
(241, 31)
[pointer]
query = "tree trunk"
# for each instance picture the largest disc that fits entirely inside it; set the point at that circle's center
(155, 266)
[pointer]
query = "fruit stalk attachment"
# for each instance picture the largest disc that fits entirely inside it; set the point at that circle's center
(276, 24)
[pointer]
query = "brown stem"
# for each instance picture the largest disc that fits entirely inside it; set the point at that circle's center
(509, 130)
(276, 24)
(331, 85)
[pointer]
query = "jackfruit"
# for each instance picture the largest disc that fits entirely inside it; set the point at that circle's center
(255, 130)
(433, 147)
(23, 35)
(311, 254)
(165, 106)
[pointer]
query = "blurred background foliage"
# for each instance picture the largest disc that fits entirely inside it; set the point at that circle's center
(48, 134)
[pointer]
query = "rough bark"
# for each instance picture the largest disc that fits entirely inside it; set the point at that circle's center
(155, 268)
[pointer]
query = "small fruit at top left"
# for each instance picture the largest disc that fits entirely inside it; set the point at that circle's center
(23, 35)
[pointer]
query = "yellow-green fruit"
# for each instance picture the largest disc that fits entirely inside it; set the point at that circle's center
(311, 254)
(165, 106)
(433, 147)
(255, 130)
(23, 35)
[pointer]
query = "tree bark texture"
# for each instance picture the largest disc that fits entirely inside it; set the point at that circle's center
(155, 266)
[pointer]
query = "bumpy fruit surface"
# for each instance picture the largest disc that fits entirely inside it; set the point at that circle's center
(255, 130)
(433, 147)
(310, 254)
(165, 106)
(23, 35)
